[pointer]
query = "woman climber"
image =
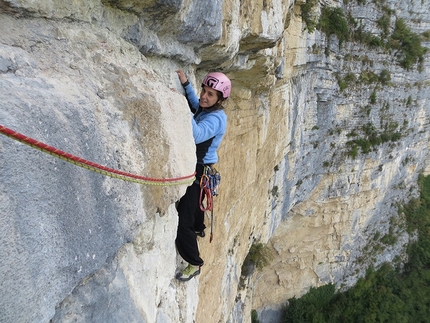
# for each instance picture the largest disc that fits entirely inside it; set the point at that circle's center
(209, 125)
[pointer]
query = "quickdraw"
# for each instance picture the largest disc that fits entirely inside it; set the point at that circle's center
(209, 184)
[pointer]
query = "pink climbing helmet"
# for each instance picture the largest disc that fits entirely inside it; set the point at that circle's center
(218, 81)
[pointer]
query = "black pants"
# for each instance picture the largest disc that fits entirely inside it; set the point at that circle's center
(191, 219)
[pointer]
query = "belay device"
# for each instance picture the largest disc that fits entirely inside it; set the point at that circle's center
(209, 183)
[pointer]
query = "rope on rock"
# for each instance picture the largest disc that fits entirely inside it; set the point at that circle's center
(93, 166)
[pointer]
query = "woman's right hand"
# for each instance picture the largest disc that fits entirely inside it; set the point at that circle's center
(182, 77)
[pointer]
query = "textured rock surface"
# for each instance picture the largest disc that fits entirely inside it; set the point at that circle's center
(97, 79)
(81, 89)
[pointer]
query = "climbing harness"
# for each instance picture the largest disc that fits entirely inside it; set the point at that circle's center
(209, 184)
(93, 166)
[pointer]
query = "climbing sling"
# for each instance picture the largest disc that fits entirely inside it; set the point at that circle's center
(209, 184)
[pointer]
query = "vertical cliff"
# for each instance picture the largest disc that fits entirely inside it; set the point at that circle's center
(327, 133)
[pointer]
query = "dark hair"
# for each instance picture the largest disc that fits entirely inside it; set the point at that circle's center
(220, 96)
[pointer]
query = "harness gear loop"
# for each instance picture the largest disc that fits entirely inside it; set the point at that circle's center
(209, 183)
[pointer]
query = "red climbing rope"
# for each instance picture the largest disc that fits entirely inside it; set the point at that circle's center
(93, 166)
(205, 191)
(209, 183)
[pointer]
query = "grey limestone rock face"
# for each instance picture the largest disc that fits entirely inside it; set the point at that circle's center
(62, 226)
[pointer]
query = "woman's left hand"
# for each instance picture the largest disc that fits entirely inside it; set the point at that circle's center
(182, 76)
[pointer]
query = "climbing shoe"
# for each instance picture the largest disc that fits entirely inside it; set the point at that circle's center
(200, 233)
(189, 272)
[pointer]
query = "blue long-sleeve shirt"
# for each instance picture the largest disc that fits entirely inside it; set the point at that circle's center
(209, 126)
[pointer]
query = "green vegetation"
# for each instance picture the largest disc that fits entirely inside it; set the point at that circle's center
(371, 138)
(258, 256)
(347, 81)
(254, 317)
(409, 101)
(405, 44)
(368, 77)
(308, 16)
(390, 238)
(383, 295)
(308, 307)
(426, 35)
(384, 24)
(408, 44)
(372, 97)
(275, 192)
(384, 77)
(365, 77)
(367, 38)
(333, 22)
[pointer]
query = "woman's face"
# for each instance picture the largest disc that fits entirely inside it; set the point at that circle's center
(208, 97)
